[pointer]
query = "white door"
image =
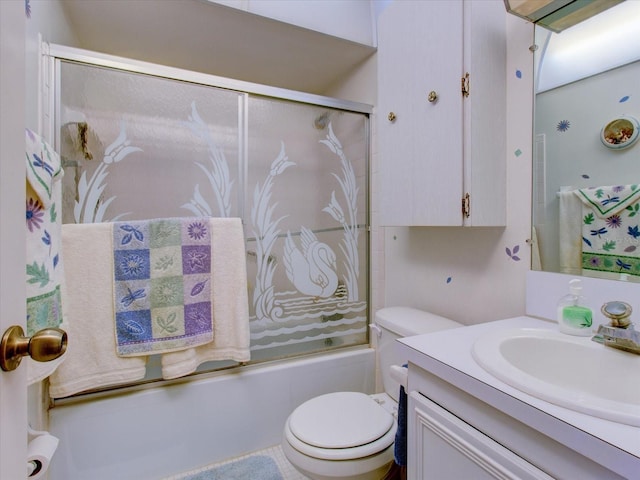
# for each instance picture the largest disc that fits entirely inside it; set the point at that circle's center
(13, 385)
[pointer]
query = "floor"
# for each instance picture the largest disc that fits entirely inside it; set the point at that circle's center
(287, 470)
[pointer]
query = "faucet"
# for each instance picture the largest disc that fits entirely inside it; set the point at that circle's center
(620, 332)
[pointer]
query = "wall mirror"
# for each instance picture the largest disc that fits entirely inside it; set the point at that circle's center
(586, 193)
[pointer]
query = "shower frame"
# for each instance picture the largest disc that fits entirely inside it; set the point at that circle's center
(50, 91)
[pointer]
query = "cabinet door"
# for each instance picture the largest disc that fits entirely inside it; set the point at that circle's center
(420, 152)
(485, 58)
(443, 447)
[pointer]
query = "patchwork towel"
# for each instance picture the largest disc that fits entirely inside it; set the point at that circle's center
(230, 304)
(611, 230)
(44, 268)
(162, 285)
(91, 360)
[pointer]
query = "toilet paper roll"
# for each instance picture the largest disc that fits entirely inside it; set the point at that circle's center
(39, 453)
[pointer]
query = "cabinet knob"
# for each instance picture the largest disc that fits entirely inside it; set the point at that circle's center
(391, 117)
(433, 96)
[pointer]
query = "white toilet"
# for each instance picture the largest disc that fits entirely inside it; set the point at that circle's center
(350, 435)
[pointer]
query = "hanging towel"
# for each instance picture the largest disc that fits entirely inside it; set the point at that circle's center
(570, 231)
(162, 285)
(88, 307)
(611, 231)
(400, 445)
(44, 267)
(610, 200)
(230, 304)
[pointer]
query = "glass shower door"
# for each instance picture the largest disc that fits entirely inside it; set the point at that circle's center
(306, 228)
(137, 146)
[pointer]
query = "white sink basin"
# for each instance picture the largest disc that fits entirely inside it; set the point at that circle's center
(572, 372)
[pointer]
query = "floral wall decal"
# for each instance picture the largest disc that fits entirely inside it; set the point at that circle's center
(511, 253)
(563, 125)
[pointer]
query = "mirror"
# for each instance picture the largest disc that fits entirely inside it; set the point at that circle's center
(586, 78)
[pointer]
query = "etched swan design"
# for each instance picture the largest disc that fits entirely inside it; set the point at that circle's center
(312, 270)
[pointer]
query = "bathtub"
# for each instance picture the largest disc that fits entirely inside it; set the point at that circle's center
(152, 433)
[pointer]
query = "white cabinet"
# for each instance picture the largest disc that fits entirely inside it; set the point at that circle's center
(436, 149)
(445, 447)
(454, 435)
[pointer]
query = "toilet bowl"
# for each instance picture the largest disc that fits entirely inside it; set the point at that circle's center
(350, 435)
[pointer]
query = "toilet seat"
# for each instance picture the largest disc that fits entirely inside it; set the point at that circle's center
(365, 428)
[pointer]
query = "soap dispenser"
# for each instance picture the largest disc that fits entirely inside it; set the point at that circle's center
(574, 317)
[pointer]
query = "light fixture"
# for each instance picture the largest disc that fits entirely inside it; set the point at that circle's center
(558, 15)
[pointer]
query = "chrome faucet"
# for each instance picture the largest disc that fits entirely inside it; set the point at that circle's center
(620, 332)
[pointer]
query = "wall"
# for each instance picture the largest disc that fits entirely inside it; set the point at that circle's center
(350, 19)
(474, 275)
(47, 21)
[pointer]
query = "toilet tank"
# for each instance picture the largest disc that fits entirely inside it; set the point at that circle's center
(399, 322)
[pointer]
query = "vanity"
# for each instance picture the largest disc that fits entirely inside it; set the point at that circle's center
(465, 423)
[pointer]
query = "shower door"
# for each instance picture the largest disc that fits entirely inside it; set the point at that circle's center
(135, 145)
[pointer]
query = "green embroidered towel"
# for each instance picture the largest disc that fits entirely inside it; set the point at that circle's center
(611, 229)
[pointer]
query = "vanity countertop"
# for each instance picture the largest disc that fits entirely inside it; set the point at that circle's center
(447, 354)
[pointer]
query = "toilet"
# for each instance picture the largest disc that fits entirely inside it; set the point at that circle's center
(350, 435)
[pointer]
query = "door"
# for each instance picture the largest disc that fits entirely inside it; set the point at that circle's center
(13, 385)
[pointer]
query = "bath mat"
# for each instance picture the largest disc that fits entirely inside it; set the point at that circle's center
(256, 467)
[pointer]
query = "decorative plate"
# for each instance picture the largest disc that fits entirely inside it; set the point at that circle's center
(620, 133)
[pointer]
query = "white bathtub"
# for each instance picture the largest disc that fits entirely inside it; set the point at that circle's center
(154, 433)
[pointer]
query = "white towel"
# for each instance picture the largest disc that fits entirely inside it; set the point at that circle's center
(570, 230)
(44, 265)
(231, 339)
(91, 359)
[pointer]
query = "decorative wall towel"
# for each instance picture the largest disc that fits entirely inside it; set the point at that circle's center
(88, 308)
(570, 231)
(611, 230)
(44, 268)
(162, 285)
(607, 201)
(230, 304)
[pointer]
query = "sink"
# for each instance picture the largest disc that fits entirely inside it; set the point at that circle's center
(572, 372)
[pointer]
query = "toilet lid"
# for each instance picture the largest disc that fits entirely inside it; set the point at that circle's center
(356, 416)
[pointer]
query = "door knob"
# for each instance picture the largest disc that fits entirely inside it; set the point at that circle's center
(433, 96)
(45, 345)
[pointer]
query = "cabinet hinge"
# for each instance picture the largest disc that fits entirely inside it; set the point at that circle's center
(466, 205)
(464, 81)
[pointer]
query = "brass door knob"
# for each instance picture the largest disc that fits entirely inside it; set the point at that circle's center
(45, 345)
(433, 96)
(391, 117)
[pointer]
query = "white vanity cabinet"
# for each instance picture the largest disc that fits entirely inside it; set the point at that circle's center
(446, 447)
(464, 424)
(441, 133)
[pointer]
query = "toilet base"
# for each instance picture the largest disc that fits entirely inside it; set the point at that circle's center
(373, 467)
